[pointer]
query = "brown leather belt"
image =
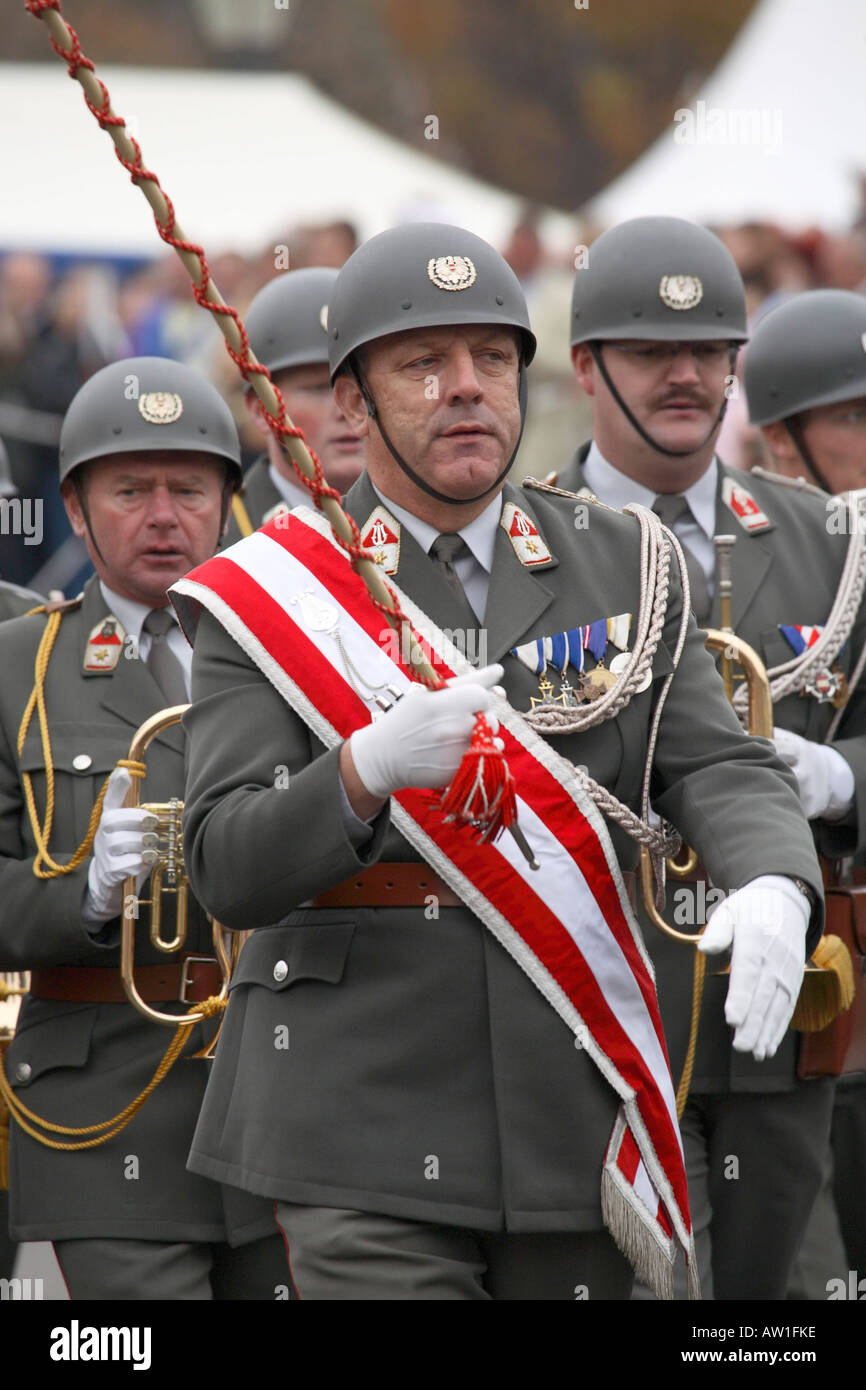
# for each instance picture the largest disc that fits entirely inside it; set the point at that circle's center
(403, 885)
(188, 982)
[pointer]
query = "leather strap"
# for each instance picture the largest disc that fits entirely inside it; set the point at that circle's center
(189, 981)
(403, 885)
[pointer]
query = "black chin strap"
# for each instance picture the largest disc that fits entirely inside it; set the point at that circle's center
(595, 349)
(410, 472)
(795, 429)
(79, 493)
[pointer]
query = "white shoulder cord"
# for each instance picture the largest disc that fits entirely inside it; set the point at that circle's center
(791, 676)
(657, 544)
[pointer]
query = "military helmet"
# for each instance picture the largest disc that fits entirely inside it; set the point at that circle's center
(287, 321)
(147, 403)
(808, 351)
(7, 482)
(423, 275)
(658, 278)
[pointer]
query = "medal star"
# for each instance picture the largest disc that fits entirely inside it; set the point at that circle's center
(531, 546)
(100, 654)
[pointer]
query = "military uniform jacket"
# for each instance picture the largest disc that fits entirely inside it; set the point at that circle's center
(788, 573)
(14, 600)
(79, 1063)
(398, 1060)
(259, 496)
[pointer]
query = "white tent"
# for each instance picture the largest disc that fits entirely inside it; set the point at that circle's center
(245, 156)
(776, 134)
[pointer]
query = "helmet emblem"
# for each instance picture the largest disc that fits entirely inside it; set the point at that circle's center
(323, 317)
(451, 272)
(160, 407)
(681, 291)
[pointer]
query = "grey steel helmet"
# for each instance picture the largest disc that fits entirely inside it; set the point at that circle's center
(658, 278)
(808, 351)
(422, 275)
(7, 482)
(287, 321)
(147, 403)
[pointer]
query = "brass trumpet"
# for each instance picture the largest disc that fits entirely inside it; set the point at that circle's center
(168, 876)
(734, 652)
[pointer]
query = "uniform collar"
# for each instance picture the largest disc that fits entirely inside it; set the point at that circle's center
(617, 489)
(479, 534)
(130, 613)
(295, 494)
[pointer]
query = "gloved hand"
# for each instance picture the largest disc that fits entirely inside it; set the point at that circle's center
(420, 741)
(124, 846)
(824, 778)
(765, 923)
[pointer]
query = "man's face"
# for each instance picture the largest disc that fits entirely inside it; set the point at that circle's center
(674, 390)
(447, 398)
(154, 515)
(312, 407)
(835, 437)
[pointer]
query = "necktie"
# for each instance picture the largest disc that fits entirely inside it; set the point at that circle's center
(444, 551)
(161, 660)
(671, 507)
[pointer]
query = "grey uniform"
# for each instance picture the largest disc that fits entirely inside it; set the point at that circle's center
(79, 1063)
(411, 1037)
(788, 573)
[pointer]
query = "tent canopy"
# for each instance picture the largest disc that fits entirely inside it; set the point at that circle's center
(245, 156)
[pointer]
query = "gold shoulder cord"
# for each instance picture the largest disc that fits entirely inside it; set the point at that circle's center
(241, 516)
(42, 833)
(106, 1129)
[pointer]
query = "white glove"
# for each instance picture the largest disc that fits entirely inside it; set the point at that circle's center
(420, 742)
(124, 846)
(825, 780)
(765, 922)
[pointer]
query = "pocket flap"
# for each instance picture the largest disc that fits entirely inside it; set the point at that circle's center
(78, 749)
(277, 957)
(45, 1041)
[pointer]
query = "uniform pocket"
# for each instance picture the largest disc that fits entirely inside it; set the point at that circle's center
(278, 957)
(48, 1039)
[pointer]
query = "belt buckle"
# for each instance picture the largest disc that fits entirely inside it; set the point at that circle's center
(184, 974)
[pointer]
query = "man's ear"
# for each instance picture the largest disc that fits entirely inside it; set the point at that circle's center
(73, 508)
(253, 407)
(347, 394)
(780, 443)
(583, 363)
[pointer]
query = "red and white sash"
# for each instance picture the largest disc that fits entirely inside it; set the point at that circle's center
(286, 595)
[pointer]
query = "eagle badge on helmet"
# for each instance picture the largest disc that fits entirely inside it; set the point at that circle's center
(681, 291)
(160, 407)
(451, 272)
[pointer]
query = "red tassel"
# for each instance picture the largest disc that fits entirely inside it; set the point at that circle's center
(481, 792)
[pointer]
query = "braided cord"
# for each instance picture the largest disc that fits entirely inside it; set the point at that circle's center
(66, 43)
(209, 1008)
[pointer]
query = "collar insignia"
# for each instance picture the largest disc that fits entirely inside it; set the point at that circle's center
(381, 535)
(104, 646)
(529, 548)
(744, 507)
(276, 510)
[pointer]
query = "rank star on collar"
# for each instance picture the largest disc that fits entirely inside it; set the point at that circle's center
(528, 545)
(380, 534)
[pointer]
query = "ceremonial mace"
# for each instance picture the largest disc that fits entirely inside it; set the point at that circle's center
(488, 807)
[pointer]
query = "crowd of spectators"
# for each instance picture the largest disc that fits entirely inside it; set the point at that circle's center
(61, 321)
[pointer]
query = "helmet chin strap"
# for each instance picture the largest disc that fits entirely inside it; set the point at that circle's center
(410, 472)
(795, 429)
(79, 493)
(595, 349)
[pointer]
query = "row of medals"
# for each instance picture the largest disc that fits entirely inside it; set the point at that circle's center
(591, 685)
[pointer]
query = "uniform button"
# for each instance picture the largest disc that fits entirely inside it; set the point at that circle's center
(281, 970)
(23, 1071)
(81, 762)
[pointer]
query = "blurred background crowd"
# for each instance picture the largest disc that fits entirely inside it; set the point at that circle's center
(61, 320)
